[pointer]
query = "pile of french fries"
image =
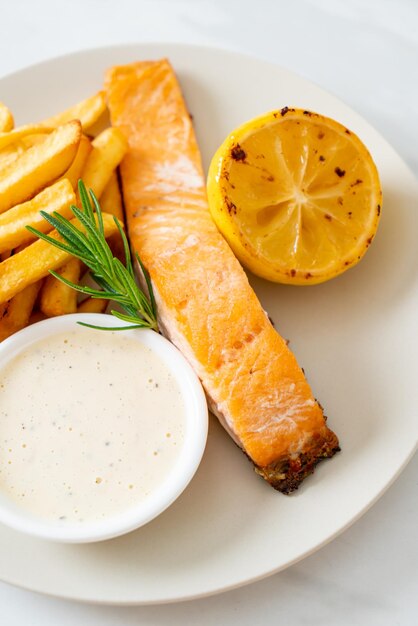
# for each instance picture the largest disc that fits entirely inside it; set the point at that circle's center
(40, 165)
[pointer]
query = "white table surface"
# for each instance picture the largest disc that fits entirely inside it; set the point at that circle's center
(366, 52)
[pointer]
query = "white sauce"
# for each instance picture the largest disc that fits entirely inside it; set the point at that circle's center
(91, 422)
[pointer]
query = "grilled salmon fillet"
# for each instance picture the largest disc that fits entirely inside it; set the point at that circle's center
(206, 306)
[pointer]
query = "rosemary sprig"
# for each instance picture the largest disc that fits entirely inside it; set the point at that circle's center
(116, 280)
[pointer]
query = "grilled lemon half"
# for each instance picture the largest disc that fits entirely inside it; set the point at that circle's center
(296, 195)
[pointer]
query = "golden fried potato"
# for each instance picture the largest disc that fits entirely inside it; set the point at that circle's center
(111, 202)
(88, 112)
(75, 170)
(109, 148)
(35, 261)
(37, 316)
(17, 310)
(93, 305)
(23, 132)
(100, 125)
(57, 298)
(111, 198)
(33, 140)
(6, 118)
(58, 197)
(15, 141)
(10, 153)
(39, 166)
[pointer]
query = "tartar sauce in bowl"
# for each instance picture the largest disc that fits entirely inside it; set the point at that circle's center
(99, 430)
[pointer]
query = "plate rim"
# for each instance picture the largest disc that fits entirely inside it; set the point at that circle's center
(209, 48)
(224, 589)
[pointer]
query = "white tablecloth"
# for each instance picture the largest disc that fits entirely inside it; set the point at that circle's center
(366, 52)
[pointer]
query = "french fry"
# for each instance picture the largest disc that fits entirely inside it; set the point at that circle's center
(56, 301)
(109, 148)
(35, 261)
(57, 197)
(32, 140)
(93, 305)
(74, 171)
(6, 118)
(3, 257)
(10, 153)
(111, 200)
(10, 309)
(100, 125)
(22, 132)
(18, 310)
(37, 316)
(15, 143)
(88, 112)
(39, 166)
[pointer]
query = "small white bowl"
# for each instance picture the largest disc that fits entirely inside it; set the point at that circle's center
(182, 472)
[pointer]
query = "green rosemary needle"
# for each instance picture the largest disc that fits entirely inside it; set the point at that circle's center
(116, 281)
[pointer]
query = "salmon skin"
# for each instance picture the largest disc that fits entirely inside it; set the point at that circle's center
(205, 304)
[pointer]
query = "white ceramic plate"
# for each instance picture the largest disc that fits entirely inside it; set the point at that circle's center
(355, 336)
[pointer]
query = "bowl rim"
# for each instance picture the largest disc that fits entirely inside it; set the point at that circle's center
(187, 462)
